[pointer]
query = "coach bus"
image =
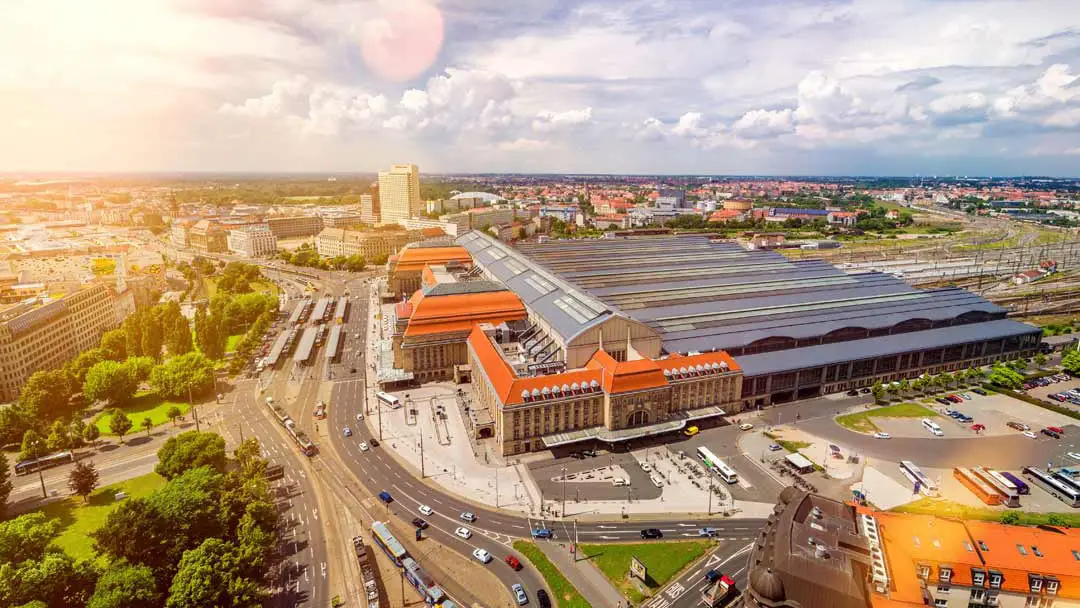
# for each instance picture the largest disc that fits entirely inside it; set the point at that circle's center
(388, 399)
(716, 465)
(45, 462)
(917, 477)
(1003, 483)
(1021, 487)
(1061, 491)
(978, 487)
(1008, 496)
(390, 545)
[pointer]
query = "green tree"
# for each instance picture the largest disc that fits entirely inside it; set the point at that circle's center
(119, 423)
(5, 482)
(46, 396)
(33, 446)
(188, 451)
(136, 531)
(59, 438)
(152, 338)
(55, 579)
(1004, 376)
(78, 367)
(905, 386)
(1040, 359)
(124, 585)
(139, 368)
(114, 345)
(211, 575)
(147, 425)
(173, 413)
(878, 391)
(75, 431)
(91, 434)
(132, 327)
(1071, 361)
(83, 479)
(1011, 518)
(110, 381)
(184, 376)
(26, 537)
(179, 338)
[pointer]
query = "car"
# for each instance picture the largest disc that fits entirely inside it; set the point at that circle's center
(979, 391)
(652, 533)
(943, 401)
(374, 442)
(519, 594)
(386, 497)
(347, 431)
(952, 413)
(467, 516)
(691, 431)
(865, 391)
(513, 562)
(363, 446)
(965, 418)
(481, 555)
(542, 533)
(966, 396)
(359, 415)
(646, 467)
(1073, 455)
(775, 447)
(352, 370)
(881, 435)
(853, 393)
(464, 533)
(419, 523)
(1050, 433)
(1057, 429)
(542, 599)
(1020, 426)
(1030, 435)
(426, 510)
(712, 576)
(746, 426)
(707, 532)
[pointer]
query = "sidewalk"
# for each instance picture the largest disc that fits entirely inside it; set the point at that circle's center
(585, 577)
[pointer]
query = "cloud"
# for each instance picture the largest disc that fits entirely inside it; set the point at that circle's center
(764, 123)
(551, 121)
(523, 144)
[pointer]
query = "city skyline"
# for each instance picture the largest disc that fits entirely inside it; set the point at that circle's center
(659, 87)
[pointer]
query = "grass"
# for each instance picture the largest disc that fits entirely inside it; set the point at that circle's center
(948, 508)
(566, 596)
(232, 341)
(143, 405)
(662, 561)
(792, 446)
(861, 421)
(78, 519)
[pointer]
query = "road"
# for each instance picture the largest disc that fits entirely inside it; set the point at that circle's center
(728, 558)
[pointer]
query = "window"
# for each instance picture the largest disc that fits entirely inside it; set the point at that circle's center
(945, 574)
(977, 595)
(924, 571)
(1021, 549)
(1036, 551)
(995, 580)
(978, 578)
(983, 546)
(1035, 583)
(943, 589)
(1052, 586)
(941, 602)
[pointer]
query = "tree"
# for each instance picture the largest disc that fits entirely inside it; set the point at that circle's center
(878, 391)
(147, 425)
(173, 413)
(1004, 376)
(211, 575)
(178, 338)
(139, 368)
(152, 339)
(83, 479)
(46, 396)
(33, 446)
(188, 451)
(114, 345)
(91, 434)
(892, 388)
(1010, 518)
(55, 579)
(110, 381)
(124, 585)
(183, 376)
(133, 333)
(26, 537)
(59, 438)
(75, 431)
(78, 367)
(135, 518)
(905, 386)
(1040, 359)
(5, 482)
(1071, 362)
(119, 423)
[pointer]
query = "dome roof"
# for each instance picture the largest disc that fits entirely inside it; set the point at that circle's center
(767, 585)
(487, 196)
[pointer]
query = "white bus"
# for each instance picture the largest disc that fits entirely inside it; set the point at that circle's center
(716, 465)
(932, 426)
(917, 477)
(389, 399)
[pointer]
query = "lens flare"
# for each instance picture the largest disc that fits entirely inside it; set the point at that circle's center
(403, 42)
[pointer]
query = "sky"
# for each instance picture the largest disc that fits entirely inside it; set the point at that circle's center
(861, 87)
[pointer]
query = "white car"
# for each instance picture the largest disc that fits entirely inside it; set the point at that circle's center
(359, 415)
(1030, 435)
(746, 426)
(426, 510)
(481, 556)
(363, 446)
(881, 435)
(1074, 455)
(463, 532)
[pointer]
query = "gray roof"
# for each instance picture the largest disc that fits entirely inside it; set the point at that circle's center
(320, 308)
(449, 289)
(837, 352)
(275, 350)
(307, 342)
(333, 343)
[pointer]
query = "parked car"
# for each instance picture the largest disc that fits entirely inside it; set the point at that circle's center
(881, 435)
(746, 426)
(853, 393)
(1020, 426)
(651, 533)
(359, 415)
(1057, 429)
(775, 447)
(519, 594)
(979, 391)
(691, 431)
(419, 523)
(1050, 433)
(468, 516)
(1073, 455)
(1030, 435)
(513, 562)
(374, 442)
(943, 401)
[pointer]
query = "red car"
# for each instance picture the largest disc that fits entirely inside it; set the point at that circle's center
(1056, 429)
(513, 562)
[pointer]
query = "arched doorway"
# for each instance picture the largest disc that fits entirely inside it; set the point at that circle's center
(638, 418)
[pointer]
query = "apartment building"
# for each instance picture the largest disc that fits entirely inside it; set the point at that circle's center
(399, 193)
(342, 219)
(292, 226)
(252, 241)
(44, 334)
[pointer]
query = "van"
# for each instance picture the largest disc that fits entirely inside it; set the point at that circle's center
(932, 426)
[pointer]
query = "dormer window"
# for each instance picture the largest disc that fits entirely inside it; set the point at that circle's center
(945, 574)
(1035, 583)
(995, 580)
(924, 571)
(1052, 586)
(978, 578)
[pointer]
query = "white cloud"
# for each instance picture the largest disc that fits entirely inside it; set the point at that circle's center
(764, 123)
(958, 102)
(551, 121)
(524, 144)
(1066, 119)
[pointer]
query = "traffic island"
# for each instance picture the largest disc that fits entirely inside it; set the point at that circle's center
(639, 570)
(563, 592)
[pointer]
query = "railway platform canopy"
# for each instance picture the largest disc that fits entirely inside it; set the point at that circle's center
(277, 348)
(306, 346)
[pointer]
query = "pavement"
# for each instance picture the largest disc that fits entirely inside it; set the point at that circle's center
(585, 577)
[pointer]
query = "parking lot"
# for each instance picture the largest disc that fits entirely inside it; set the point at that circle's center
(1044, 392)
(994, 411)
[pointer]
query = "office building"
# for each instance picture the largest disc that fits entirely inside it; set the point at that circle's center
(676, 196)
(814, 551)
(369, 209)
(342, 219)
(252, 241)
(399, 194)
(44, 334)
(294, 226)
(371, 244)
(207, 236)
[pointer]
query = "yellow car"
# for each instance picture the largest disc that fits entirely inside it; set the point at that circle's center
(691, 431)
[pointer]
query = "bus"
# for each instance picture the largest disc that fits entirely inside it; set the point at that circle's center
(716, 465)
(1008, 496)
(1061, 491)
(918, 478)
(388, 399)
(1003, 482)
(1021, 487)
(932, 426)
(390, 545)
(36, 464)
(977, 486)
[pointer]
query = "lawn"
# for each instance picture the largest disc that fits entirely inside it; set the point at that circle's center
(947, 508)
(792, 446)
(662, 560)
(78, 519)
(230, 344)
(143, 405)
(566, 596)
(861, 421)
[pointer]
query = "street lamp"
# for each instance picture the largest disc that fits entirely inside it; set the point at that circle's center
(562, 510)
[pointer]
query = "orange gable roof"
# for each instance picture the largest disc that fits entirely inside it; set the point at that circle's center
(1003, 555)
(718, 357)
(427, 277)
(627, 376)
(457, 312)
(415, 258)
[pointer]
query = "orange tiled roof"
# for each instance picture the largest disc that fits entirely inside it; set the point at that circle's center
(426, 276)
(415, 258)
(457, 312)
(432, 232)
(718, 357)
(1003, 555)
(627, 376)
